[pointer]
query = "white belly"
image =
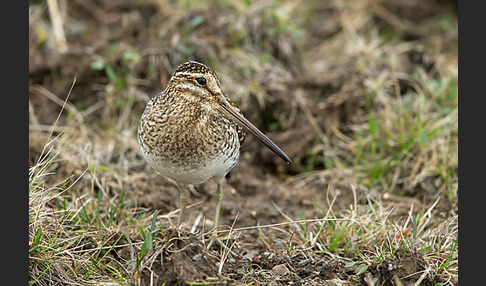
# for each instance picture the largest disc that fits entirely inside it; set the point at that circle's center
(191, 175)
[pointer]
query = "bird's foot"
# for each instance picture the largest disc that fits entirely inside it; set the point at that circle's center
(225, 246)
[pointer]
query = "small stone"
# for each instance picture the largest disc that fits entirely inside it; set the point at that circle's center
(248, 256)
(197, 257)
(336, 282)
(304, 262)
(287, 258)
(280, 270)
(271, 256)
(255, 259)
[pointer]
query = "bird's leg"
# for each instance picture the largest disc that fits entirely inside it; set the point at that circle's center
(219, 199)
(217, 215)
(184, 200)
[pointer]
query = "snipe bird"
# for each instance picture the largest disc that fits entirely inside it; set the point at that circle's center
(192, 132)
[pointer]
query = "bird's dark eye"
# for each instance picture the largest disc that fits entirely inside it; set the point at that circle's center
(201, 80)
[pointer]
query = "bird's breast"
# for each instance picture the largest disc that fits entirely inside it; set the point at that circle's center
(188, 145)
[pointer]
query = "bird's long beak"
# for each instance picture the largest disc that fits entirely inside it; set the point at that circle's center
(235, 115)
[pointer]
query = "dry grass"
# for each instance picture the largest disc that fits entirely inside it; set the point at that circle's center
(361, 95)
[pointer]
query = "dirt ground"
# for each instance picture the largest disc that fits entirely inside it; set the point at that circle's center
(309, 99)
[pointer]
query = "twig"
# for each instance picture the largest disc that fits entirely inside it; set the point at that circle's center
(57, 26)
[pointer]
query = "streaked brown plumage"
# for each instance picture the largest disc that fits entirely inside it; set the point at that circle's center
(191, 132)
